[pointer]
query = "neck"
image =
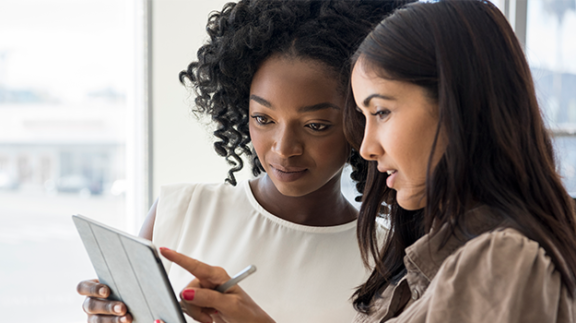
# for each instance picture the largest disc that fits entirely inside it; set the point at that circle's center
(323, 207)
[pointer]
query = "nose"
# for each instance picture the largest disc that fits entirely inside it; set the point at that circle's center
(370, 149)
(287, 142)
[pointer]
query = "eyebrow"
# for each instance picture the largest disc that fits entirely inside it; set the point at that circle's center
(379, 96)
(308, 108)
(261, 101)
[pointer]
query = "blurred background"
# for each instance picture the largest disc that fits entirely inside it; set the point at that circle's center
(93, 121)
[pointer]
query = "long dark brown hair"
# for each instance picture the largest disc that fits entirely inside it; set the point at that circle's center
(466, 56)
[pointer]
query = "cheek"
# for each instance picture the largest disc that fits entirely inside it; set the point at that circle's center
(417, 157)
(258, 142)
(336, 149)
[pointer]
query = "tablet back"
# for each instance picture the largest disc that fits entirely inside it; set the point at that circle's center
(132, 269)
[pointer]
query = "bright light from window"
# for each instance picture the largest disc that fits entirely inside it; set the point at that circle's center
(64, 83)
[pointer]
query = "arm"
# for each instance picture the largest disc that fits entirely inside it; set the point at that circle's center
(98, 308)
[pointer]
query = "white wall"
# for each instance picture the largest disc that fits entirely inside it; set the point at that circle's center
(182, 147)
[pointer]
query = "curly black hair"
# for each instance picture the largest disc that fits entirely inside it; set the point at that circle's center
(246, 33)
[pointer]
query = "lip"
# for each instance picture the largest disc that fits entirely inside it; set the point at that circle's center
(288, 169)
(391, 178)
(385, 169)
(288, 174)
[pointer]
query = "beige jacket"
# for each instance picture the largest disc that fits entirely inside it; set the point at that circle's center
(499, 276)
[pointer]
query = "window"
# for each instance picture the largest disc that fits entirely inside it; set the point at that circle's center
(544, 28)
(551, 53)
(72, 116)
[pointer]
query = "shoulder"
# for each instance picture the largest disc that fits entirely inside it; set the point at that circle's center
(188, 191)
(193, 186)
(501, 276)
(185, 206)
(180, 201)
(504, 243)
(501, 252)
(500, 267)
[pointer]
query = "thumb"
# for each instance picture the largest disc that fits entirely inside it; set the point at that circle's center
(206, 298)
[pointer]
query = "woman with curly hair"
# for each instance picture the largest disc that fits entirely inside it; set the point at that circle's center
(273, 78)
(482, 229)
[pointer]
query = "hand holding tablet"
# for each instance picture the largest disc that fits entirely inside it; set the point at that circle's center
(132, 269)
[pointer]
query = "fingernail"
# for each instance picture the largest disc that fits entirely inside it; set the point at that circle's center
(157, 321)
(118, 309)
(188, 294)
(102, 291)
(163, 248)
(123, 319)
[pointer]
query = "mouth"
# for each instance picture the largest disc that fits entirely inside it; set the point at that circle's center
(288, 170)
(388, 171)
(391, 178)
(288, 174)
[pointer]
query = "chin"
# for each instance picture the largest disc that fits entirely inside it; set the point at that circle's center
(410, 204)
(294, 189)
(293, 192)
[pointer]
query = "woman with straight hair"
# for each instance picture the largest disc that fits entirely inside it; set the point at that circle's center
(462, 166)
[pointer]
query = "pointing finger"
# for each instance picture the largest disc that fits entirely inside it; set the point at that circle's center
(198, 269)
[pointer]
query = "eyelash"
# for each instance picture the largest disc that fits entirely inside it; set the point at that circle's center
(315, 126)
(321, 126)
(381, 114)
(261, 120)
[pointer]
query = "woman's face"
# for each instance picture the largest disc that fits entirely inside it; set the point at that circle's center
(401, 122)
(296, 124)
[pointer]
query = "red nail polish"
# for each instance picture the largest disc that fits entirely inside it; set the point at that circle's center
(157, 321)
(188, 294)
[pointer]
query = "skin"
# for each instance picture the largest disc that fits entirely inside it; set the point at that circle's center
(208, 305)
(95, 305)
(296, 128)
(297, 131)
(401, 123)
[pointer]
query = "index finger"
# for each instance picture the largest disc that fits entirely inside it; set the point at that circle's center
(197, 268)
(92, 288)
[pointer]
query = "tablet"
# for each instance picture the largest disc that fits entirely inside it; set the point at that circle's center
(131, 267)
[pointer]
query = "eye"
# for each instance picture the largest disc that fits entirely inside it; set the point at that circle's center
(261, 119)
(381, 114)
(318, 126)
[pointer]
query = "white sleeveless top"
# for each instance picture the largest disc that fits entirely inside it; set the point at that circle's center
(305, 273)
